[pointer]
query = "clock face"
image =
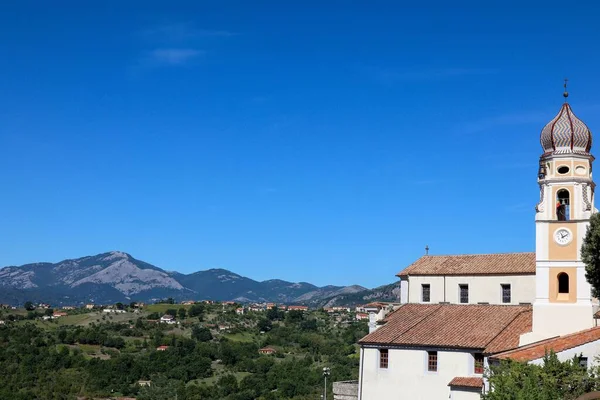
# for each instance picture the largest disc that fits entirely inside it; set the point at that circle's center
(563, 236)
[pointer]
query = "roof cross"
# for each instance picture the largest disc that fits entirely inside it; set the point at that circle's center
(566, 94)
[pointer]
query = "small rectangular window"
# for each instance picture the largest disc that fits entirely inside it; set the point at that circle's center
(383, 358)
(464, 293)
(432, 359)
(426, 293)
(478, 363)
(583, 362)
(506, 293)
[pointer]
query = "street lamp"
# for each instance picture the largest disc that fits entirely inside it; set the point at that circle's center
(326, 373)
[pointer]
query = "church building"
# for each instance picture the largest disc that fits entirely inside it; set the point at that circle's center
(461, 312)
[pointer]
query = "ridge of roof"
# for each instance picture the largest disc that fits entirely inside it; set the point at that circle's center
(479, 254)
(472, 264)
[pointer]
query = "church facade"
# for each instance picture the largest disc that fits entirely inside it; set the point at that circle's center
(460, 313)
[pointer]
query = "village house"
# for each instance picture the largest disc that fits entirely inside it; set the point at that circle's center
(68, 308)
(89, 306)
(271, 306)
(337, 309)
(168, 319)
(188, 302)
(57, 314)
(460, 313)
(239, 311)
(113, 311)
(2, 322)
(44, 306)
(162, 348)
(267, 350)
(362, 316)
(297, 308)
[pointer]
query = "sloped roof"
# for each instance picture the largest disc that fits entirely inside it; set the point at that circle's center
(467, 381)
(557, 344)
(473, 264)
(488, 328)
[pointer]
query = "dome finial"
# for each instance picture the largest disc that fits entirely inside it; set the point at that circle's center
(566, 94)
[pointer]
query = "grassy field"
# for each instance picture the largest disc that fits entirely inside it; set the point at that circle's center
(219, 371)
(241, 337)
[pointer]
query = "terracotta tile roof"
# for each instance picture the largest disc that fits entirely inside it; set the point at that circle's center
(537, 350)
(509, 337)
(490, 328)
(467, 381)
(473, 264)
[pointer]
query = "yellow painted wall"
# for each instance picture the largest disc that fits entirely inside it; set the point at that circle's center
(556, 297)
(557, 252)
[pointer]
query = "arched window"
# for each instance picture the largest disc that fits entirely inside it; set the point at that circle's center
(562, 205)
(563, 283)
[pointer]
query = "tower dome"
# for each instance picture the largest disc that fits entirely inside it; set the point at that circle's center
(566, 134)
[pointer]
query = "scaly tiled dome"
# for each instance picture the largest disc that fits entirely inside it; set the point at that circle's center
(566, 134)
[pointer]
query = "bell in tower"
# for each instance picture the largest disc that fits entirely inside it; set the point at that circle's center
(563, 296)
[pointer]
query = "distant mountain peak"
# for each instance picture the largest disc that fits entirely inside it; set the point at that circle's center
(117, 276)
(115, 255)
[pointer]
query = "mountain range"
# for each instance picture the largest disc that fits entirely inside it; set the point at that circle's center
(118, 277)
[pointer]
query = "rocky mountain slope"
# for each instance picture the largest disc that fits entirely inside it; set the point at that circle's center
(117, 276)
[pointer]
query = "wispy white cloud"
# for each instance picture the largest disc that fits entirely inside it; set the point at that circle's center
(174, 44)
(173, 56)
(391, 75)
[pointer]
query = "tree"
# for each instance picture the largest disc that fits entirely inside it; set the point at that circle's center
(201, 333)
(181, 313)
(264, 325)
(294, 316)
(196, 310)
(171, 311)
(590, 254)
(275, 314)
(29, 306)
(553, 380)
(119, 306)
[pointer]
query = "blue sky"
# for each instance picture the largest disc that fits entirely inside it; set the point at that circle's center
(326, 142)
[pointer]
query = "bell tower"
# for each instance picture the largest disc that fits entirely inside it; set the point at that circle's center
(563, 301)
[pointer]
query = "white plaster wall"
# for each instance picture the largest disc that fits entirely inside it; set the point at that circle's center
(554, 319)
(464, 394)
(403, 291)
(407, 377)
(590, 350)
(481, 288)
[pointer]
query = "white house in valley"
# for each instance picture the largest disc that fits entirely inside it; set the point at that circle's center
(461, 312)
